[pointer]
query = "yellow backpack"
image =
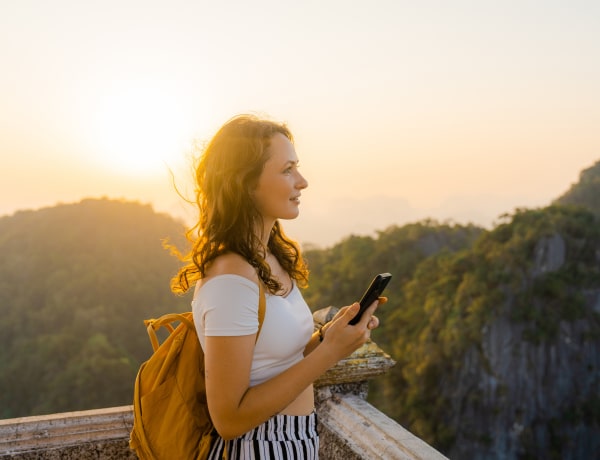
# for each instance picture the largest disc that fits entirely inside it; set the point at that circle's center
(170, 413)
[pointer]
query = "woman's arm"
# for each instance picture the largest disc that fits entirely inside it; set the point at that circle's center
(236, 408)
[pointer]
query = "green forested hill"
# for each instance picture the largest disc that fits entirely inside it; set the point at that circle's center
(491, 330)
(340, 274)
(525, 292)
(496, 333)
(586, 192)
(76, 282)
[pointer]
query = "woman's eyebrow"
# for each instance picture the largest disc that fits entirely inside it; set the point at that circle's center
(291, 163)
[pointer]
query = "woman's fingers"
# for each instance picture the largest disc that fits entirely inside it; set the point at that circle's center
(368, 314)
(351, 311)
(373, 323)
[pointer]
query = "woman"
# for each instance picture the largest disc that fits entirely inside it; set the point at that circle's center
(258, 389)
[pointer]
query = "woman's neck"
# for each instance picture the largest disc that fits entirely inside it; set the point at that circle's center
(265, 233)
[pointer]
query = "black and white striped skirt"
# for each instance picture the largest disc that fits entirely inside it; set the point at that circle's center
(289, 437)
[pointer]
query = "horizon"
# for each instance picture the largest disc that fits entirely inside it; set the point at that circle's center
(334, 235)
(456, 112)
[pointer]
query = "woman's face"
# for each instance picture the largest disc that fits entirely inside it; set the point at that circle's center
(277, 194)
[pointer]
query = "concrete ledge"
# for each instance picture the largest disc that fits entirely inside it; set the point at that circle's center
(365, 363)
(47, 432)
(352, 429)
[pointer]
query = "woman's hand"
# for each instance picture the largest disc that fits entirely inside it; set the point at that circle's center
(344, 338)
(373, 323)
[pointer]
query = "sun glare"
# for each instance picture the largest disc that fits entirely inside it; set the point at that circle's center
(139, 130)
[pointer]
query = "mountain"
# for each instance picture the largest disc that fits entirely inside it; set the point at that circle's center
(586, 192)
(76, 283)
(340, 274)
(498, 346)
(496, 333)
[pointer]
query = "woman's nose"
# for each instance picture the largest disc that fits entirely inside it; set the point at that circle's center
(302, 183)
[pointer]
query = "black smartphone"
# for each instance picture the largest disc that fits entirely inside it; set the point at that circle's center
(372, 294)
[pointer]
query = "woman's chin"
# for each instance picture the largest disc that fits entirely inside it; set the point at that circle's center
(290, 215)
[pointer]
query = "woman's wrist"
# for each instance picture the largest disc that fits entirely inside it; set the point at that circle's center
(321, 332)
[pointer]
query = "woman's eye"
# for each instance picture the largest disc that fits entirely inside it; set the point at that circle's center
(290, 169)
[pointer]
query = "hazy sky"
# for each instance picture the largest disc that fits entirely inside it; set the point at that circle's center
(401, 110)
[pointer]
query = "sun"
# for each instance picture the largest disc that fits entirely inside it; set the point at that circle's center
(139, 129)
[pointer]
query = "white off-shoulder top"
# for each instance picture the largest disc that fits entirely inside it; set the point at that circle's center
(227, 305)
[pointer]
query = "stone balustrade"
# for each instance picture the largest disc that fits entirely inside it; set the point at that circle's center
(91, 434)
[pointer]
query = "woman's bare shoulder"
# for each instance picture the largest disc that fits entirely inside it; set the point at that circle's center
(231, 264)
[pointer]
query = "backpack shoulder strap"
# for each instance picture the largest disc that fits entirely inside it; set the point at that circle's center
(262, 306)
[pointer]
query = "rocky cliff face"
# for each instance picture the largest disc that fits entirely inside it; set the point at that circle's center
(519, 397)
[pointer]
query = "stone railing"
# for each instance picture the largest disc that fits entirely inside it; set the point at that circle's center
(92, 434)
(349, 427)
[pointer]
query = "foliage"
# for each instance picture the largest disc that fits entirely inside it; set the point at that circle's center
(586, 192)
(340, 274)
(453, 296)
(441, 300)
(76, 283)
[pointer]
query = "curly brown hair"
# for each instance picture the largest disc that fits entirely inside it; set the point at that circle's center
(226, 175)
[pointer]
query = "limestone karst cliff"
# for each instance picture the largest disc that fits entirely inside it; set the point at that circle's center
(530, 388)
